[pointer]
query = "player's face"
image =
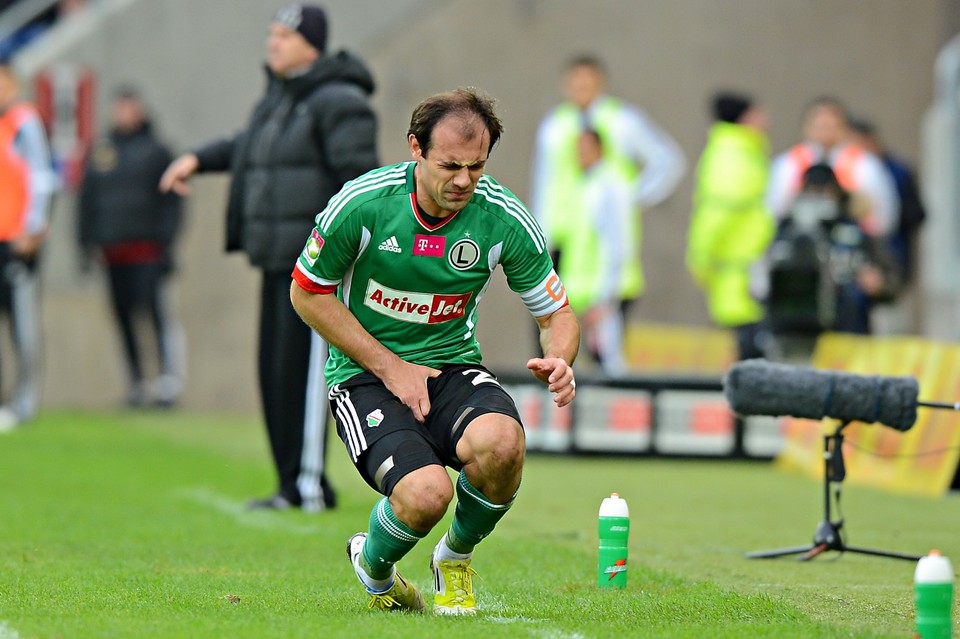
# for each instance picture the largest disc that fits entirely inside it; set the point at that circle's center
(448, 175)
(288, 50)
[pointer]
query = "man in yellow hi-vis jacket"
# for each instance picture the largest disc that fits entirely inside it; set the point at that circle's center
(731, 226)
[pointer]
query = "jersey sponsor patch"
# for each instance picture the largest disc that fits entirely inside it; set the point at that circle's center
(390, 244)
(429, 245)
(418, 308)
(312, 250)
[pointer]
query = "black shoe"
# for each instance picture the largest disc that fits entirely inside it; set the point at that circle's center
(273, 502)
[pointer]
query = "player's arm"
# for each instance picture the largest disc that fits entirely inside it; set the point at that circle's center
(329, 317)
(560, 341)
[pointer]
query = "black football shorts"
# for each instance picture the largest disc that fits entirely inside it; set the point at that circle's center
(384, 439)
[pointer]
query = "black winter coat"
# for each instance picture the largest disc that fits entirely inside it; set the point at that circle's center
(308, 136)
(120, 200)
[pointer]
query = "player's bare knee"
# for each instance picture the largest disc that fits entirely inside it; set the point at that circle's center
(421, 498)
(492, 439)
(505, 446)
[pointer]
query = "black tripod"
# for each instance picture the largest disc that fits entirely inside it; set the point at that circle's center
(827, 535)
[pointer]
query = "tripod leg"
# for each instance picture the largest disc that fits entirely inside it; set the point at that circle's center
(779, 552)
(813, 552)
(881, 553)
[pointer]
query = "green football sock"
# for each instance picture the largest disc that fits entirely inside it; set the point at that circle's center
(388, 540)
(474, 518)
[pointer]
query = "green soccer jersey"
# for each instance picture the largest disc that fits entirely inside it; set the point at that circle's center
(416, 285)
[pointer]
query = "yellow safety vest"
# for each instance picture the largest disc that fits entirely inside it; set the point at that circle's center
(561, 214)
(731, 227)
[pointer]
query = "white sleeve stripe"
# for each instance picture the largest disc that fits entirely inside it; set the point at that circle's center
(516, 203)
(514, 208)
(397, 171)
(392, 177)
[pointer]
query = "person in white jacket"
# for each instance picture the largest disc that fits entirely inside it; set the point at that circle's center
(827, 140)
(648, 157)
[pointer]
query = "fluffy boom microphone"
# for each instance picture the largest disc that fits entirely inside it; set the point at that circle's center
(760, 387)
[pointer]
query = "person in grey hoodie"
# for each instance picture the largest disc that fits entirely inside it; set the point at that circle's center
(312, 131)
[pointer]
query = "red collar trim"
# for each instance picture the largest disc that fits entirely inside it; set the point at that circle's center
(424, 223)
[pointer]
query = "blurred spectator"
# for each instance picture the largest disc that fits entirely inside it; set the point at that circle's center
(825, 271)
(128, 223)
(27, 184)
(826, 132)
(731, 227)
(632, 143)
(599, 251)
(313, 131)
(912, 211)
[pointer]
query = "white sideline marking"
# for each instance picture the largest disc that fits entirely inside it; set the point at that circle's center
(545, 633)
(559, 634)
(6, 632)
(867, 587)
(239, 513)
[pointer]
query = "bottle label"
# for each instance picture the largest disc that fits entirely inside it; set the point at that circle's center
(612, 567)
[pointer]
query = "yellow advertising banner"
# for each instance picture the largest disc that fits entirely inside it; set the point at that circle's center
(922, 460)
(676, 349)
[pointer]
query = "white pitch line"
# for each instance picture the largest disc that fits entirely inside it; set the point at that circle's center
(6, 632)
(535, 628)
(241, 514)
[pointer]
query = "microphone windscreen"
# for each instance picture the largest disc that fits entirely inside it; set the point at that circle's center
(889, 400)
(760, 387)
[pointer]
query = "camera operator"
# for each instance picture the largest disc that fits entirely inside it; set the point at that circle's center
(825, 272)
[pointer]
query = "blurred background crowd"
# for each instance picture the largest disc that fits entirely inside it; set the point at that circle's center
(770, 169)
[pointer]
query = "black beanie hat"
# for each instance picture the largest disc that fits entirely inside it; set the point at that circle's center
(308, 20)
(730, 107)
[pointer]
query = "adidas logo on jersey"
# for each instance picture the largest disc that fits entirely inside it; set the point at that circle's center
(390, 245)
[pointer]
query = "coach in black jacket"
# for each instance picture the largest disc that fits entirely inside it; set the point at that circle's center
(312, 131)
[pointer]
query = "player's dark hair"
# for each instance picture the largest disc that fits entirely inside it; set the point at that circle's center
(465, 101)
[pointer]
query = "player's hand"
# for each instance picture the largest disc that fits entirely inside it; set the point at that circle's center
(558, 376)
(176, 176)
(409, 383)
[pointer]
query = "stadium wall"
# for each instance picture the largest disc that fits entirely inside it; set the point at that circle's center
(200, 66)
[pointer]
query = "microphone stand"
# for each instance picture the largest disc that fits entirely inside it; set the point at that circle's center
(827, 535)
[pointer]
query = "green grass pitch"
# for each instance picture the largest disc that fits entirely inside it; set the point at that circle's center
(133, 525)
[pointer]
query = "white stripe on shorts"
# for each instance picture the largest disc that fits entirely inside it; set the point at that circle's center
(352, 427)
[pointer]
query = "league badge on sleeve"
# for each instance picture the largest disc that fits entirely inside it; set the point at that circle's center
(312, 250)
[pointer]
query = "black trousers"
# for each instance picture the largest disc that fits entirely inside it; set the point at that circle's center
(294, 396)
(137, 290)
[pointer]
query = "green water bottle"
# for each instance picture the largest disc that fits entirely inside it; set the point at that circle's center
(933, 595)
(614, 529)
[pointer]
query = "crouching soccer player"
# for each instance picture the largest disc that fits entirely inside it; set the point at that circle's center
(392, 276)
